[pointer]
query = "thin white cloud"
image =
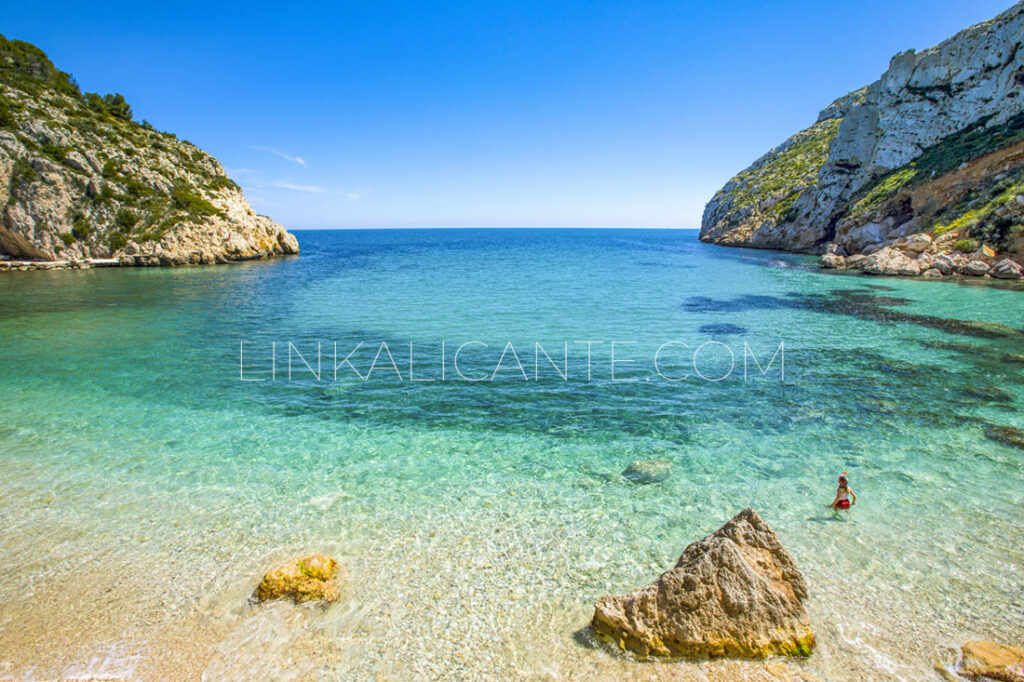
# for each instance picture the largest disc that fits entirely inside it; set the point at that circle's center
(277, 152)
(297, 188)
(253, 181)
(242, 175)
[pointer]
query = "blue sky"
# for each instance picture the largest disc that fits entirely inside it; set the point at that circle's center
(433, 114)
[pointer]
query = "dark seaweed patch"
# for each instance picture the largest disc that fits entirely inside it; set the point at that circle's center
(722, 329)
(703, 304)
(985, 394)
(858, 303)
(1007, 435)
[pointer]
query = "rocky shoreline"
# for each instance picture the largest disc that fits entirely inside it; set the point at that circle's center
(151, 259)
(920, 255)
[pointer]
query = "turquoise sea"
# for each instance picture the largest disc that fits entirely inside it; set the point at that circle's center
(149, 478)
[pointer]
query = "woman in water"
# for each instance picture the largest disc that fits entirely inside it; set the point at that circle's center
(845, 497)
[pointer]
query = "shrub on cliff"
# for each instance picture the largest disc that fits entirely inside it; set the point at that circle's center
(7, 119)
(26, 67)
(187, 199)
(117, 107)
(126, 219)
(112, 105)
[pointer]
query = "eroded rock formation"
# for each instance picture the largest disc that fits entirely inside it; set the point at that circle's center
(736, 593)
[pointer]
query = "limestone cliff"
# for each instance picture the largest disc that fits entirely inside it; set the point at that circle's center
(932, 147)
(79, 179)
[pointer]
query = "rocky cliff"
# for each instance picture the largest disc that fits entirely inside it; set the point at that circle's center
(932, 150)
(79, 180)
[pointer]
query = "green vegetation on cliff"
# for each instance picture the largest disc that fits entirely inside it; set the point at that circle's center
(124, 168)
(934, 145)
(947, 155)
(978, 211)
(774, 185)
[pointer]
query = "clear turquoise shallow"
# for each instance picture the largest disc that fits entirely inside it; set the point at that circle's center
(128, 440)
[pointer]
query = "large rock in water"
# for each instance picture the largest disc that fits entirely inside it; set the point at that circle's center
(312, 578)
(993, 661)
(735, 593)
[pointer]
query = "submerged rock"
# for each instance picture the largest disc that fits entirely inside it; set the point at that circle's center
(992, 661)
(648, 470)
(722, 329)
(988, 394)
(736, 593)
(1007, 435)
(312, 578)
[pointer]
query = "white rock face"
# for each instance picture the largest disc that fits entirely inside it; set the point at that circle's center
(944, 263)
(975, 76)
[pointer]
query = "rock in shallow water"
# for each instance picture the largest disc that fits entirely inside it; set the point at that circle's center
(312, 578)
(736, 593)
(648, 470)
(993, 661)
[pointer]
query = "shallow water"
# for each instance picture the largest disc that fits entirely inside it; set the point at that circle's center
(146, 487)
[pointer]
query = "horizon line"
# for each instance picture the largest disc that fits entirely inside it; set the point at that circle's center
(493, 227)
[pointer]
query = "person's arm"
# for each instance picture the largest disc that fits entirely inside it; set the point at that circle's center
(853, 497)
(835, 501)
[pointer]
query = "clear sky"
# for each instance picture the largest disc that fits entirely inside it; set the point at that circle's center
(478, 113)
